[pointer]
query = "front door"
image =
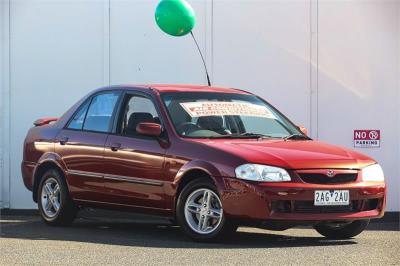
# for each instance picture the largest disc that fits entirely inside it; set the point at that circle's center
(81, 146)
(134, 164)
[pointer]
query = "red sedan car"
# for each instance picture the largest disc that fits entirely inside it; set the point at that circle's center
(211, 159)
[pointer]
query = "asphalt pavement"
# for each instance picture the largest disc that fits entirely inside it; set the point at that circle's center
(26, 240)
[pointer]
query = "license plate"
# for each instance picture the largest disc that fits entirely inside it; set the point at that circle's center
(331, 197)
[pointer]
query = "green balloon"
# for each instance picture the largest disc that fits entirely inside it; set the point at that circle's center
(175, 17)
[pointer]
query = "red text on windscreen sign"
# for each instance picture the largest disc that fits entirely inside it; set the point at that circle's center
(367, 138)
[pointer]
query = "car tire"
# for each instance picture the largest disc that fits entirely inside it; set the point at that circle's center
(217, 227)
(55, 204)
(335, 231)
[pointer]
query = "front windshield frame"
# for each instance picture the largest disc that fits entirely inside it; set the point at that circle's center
(294, 130)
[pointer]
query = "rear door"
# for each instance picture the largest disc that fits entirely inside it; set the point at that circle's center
(81, 145)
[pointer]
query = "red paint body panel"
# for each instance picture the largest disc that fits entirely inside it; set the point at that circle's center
(292, 154)
(141, 163)
(248, 200)
(191, 88)
(149, 129)
(82, 152)
(143, 174)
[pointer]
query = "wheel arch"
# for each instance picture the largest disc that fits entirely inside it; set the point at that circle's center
(192, 171)
(48, 161)
(190, 175)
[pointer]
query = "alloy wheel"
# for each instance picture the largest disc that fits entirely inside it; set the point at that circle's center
(203, 211)
(51, 197)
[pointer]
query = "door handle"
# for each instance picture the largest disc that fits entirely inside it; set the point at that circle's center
(63, 140)
(115, 146)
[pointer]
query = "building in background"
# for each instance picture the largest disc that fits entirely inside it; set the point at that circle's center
(332, 66)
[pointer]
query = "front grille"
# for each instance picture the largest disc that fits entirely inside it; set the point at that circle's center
(317, 178)
(299, 206)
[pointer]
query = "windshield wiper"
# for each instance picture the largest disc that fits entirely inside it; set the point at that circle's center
(248, 135)
(297, 136)
(255, 135)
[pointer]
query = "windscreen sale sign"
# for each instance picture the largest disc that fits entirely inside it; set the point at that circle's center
(367, 138)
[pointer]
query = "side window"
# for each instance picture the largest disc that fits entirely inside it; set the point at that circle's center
(137, 109)
(77, 121)
(100, 111)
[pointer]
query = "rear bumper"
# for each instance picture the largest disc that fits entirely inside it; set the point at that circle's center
(27, 170)
(295, 201)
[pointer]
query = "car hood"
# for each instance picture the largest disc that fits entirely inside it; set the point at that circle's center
(292, 154)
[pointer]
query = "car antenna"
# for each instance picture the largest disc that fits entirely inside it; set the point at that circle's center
(202, 58)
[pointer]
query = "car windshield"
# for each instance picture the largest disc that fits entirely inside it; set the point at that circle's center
(226, 115)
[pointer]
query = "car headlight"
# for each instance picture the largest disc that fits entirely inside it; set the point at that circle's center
(262, 173)
(372, 173)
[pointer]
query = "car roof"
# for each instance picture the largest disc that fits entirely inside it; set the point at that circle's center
(180, 88)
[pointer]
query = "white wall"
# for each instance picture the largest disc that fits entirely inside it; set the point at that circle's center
(56, 58)
(62, 49)
(264, 46)
(358, 78)
(141, 53)
(397, 174)
(4, 104)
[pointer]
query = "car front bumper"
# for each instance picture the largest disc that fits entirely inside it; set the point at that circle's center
(293, 201)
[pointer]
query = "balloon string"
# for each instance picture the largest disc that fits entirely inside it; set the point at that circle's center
(202, 58)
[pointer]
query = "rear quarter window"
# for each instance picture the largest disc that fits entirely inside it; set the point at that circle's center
(100, 112)
(79, 118)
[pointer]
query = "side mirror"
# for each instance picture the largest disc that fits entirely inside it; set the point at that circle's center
(149, 129)
(303, 130)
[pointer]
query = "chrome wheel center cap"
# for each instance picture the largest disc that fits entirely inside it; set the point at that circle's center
(203, 211)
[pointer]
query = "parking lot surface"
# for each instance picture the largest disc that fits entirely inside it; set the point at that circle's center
(100, 241)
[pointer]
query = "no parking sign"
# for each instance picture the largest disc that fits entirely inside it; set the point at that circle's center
(367, 138)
